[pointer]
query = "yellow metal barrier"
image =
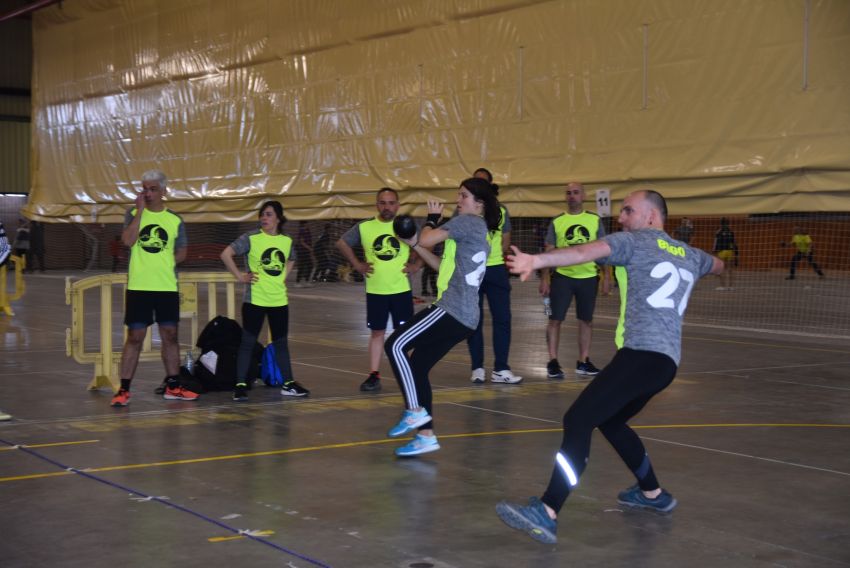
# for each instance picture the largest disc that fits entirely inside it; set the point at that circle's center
(20, 286)
(106, 360)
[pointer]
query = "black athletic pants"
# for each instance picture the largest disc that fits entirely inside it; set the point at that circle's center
(252, 323)
(611, 399)
(430, 335)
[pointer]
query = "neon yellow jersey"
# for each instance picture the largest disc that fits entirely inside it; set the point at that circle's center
(623, 284)
(802, 242)
(266, 256)
(387, 254)
(573, 230)
(447, 266)
(494, 238)
(152, 265)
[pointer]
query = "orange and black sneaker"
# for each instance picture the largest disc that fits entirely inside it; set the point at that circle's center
(179, 393)
(121, 398)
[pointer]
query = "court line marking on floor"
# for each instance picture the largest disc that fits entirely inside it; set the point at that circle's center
(765, 331)
(49, 445)
(327, 368)
(772, 367)
(87, 474)
(513, 414)
(229, 409)
(438, 388)
(806, 384)
(346, 445)
(750, 456)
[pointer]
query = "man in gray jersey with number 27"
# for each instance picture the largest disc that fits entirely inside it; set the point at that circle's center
(656, 275)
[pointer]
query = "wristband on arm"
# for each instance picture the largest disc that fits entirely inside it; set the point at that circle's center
(433, 220)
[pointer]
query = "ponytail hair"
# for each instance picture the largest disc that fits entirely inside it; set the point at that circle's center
(484, 173)
(482, 191)
(278, 210)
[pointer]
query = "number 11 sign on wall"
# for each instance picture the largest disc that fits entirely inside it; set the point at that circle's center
(603, 202)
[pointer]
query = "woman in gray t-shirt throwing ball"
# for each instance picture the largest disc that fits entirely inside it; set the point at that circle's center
(453, 316)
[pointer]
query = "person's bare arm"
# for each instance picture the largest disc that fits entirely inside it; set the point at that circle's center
(227, 258)
(130, 234)
(363, 268)
(717, 266)
(525, 264)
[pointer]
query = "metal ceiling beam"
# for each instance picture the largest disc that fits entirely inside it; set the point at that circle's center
(28, 9)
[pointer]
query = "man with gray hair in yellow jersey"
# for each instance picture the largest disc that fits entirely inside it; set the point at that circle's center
(157, 241)
(657, 275)
(385, 269)
(574, 227)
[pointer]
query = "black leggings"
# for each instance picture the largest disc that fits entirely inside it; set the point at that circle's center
(430, 334)
(252, 323)
(616, 395)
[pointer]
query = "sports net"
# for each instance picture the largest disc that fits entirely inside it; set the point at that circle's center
(760, 299)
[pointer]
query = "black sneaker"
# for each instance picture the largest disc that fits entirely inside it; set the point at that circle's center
(161, 388)
(240, 393)
(292, 388)
(372, 383)
(554, 370)
(586, 368)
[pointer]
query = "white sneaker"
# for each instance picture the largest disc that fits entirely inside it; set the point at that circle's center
(478, 376)
(505, 376)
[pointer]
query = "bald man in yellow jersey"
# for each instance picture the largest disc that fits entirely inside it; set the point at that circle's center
(385, 268)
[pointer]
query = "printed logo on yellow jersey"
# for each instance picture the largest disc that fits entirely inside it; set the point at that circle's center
(153, 238)
(386, 247)
(577, 235)
(273, 261)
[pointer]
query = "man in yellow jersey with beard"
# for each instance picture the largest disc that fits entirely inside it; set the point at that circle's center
(574, 227)
(157, 241)
(385, 268)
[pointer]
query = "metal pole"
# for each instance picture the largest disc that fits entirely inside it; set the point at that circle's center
(645, 101)
(806, 15)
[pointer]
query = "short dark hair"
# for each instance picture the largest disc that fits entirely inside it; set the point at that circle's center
(658, 202)
(489, 177)
(383, 189)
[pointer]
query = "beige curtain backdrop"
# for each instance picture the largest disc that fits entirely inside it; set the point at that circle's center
(727, 107)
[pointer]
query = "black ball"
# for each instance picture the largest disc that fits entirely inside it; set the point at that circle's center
(404, 226)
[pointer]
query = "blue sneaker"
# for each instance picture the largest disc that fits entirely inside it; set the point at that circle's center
(633, 497)
(418, 445)
(410, 421)
(532, 519)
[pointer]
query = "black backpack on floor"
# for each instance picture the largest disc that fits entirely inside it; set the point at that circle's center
(223, 335)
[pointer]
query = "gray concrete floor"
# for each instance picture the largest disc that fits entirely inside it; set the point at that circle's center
(752, 438)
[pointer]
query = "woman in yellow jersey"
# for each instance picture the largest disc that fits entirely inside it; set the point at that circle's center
(269, 258)
(433, 332)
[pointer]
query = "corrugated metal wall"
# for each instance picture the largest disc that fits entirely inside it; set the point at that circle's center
(15, 105)
(14, 157)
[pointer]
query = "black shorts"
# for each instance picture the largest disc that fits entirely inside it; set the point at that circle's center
(561, 293)
(142, 308)
(380, 306)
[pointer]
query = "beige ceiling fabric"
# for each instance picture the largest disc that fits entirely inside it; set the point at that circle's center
(725, 107)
